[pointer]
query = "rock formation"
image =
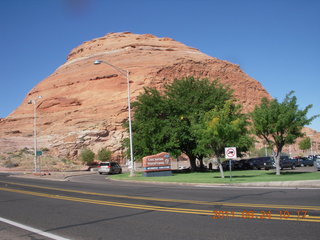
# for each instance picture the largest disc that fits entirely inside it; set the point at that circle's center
(84, 104)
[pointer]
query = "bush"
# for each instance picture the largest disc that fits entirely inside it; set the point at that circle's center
(24, 150)
(104, 155)
(87, 156)
(10, 163)
(45, 149)
(65, 160)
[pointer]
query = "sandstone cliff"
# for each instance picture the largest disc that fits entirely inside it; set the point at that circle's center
(85, 104)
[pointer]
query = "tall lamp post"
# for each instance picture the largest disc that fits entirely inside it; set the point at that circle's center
(126, 74)
(34, 102)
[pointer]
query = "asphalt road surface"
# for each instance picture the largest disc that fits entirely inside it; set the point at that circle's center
(90, 207)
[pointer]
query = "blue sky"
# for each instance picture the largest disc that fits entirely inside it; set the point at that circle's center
(277, 42)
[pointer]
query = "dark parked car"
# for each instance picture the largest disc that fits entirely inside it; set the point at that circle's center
(257, 163)
(286, 162)
(244, 164)
(269, 163)
(298, 161)
(234, 165)
(252, 163)
(263, 162)
(306, 162)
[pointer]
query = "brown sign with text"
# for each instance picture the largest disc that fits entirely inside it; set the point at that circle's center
(158, 162)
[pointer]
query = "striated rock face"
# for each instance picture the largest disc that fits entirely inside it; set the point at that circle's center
(84, 104)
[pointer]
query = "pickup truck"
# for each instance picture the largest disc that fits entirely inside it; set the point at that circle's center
(286, 162)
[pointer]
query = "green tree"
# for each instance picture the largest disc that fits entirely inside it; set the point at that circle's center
(225, 127)
(151, 126)
(104, 155)
(305, 144)
(87, 156)
(189, 99)
(280, 123)
(166, 122)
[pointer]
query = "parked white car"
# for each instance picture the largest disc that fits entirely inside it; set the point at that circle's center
(316, 164)
(109, 167)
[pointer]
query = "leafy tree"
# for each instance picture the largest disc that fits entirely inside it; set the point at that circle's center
(189, 99)
(104, 155)
(87, 156)
(225, 127)
(151, 125)
(166, 122)
(280, 123)
(305, 144)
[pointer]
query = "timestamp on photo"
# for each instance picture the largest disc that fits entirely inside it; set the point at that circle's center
(263, 214)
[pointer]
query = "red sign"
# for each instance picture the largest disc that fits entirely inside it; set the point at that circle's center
(230, 152)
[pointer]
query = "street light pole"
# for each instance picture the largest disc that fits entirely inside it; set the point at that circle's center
(125, 73)
(34, 102)
(265, 150)
(130, 127)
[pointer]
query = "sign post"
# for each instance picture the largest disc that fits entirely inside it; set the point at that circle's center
(230, 153)
(230, 175)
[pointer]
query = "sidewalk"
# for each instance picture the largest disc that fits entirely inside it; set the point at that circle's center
(57, 176)
(63, 176)
(281, 184)
(285, 184)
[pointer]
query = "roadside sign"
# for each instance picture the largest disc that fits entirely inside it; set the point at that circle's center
(39, 153)
(230, 152)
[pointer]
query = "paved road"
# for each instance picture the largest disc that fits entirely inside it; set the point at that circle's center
(9, 232)
(90, 207)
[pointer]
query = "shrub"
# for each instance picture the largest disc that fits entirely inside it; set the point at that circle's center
(87, 156)
(10, 163)
(24, 150)
(104, 155)
(45, 149)
(65, 161)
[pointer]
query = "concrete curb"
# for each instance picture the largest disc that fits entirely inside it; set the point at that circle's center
(315, 184)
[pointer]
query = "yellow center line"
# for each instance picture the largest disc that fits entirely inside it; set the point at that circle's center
(159, 208)
(251, 205)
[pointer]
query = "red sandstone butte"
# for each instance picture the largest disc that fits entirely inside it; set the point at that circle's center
(84, 104)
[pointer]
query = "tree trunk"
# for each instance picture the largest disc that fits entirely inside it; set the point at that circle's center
(221, 168)
(277, 162)
(193, 164)
(201, 164)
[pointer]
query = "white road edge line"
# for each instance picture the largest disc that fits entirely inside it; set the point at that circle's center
(31, 229)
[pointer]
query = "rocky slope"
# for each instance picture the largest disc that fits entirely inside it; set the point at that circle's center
(84, 104)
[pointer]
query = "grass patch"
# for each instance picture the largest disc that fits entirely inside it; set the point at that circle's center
(214, 177)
